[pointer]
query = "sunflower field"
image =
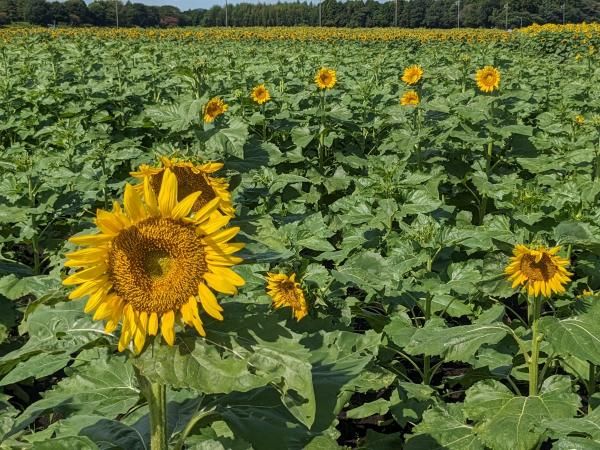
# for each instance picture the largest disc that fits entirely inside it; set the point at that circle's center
(300, 239)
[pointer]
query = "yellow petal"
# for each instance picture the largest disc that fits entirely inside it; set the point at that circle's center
(88, 288)
(150, 198)
(95, 299)
(153, 324)
(167, 325)
(91, 239)
(139, 339)
(133, 204)
(193, 308)
(184, 206)
(230, 276)
(204, 213)
(167, 197)
(83, 276)
(219, 284)
(209, 302)
(108, 222)
(214, 224)
(223, 236)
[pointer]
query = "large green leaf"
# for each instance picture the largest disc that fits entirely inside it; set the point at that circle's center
(97, 384)
(457, 343)
(444, 427)
(505, 421)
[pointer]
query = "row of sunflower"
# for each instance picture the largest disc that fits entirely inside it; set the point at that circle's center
(487, 79)
(159, 258)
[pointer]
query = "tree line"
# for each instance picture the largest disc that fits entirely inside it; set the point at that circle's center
(333, 13)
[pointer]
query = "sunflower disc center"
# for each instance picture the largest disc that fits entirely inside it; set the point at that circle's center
(543, 270)
(188, 182)
(156, 264)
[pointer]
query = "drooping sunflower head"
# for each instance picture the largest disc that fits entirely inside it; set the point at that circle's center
(151, 264)
(325, 78)
(539, 269)
(213, 109)
(579, 120)
(409, 98)
(260, 94)
(412, 74)
(286, 291)
(488, 79)
(190, 178)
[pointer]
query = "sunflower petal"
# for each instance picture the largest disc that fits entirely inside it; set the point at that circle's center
(167, 197)
(209, 302)
(167, 325)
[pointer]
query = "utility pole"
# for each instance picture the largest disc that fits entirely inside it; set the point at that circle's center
(506, 16)
(319, 13)
(521, 22)
(396, 15)
(563, 11)
(117, 11)
(226, 18)
(458, 14)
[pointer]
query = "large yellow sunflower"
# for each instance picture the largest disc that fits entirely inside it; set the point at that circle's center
(151, 264)
(488, 79)
(286, 291)
(260, 94)
(325, 78)
(539, 269)
(190, 178)
(412, 74)
(409, 98)
(213, 109)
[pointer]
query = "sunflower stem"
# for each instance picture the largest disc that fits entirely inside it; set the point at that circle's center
(157, 401)
(488, 165)
(427, 358)
(534, 303)
(591, 385)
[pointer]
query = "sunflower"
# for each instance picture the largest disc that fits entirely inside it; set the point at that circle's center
(410, 98)
(325, 78)
(539, 268)
(286, 291)
(412, 74)
(150, 264)
(260, 94)
(488, 79)
(190, 178)
(579, 120)
(213, 109)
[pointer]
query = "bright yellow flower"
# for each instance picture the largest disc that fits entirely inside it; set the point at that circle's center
(150, 264)
(190, 178)
(579, 119)
(488, 79)
(412, 74)
(213, 109)
(260, 94)
(286, 291)
(539, 269)
(325, 78)
(410, 98)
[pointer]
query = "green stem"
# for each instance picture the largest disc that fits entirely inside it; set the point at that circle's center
(157, 402)
(488, 165)
(427, 358)
(34, 239)
(535, 305)
(591, 385)
(189, 427)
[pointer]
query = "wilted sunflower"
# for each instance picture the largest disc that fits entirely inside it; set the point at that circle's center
(325, 78)
(539, 269)
(260, 94)
(190, 178)
(213, 109)
(488, 79)
(412, 74)
(286, 291)
(151, 264)
(410, 98)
